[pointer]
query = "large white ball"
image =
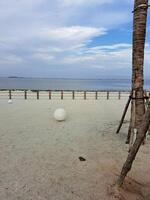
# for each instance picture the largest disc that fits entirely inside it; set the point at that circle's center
(60, 114)
(10, 101)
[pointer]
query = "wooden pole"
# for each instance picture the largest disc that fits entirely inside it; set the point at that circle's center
(50, 95)
(146, 99)
(124, 114)
(133, 130)
(149, 102)
(84, 95)
(96, 95)
(62, 95)
(73, 94)
(119, 95)
(25, 94)
(10, 95)
(37, 95)
(107, 95)
(134, 150)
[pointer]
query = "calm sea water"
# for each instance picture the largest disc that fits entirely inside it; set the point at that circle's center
(67, 84)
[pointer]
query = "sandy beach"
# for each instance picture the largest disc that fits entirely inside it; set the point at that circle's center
(39, 157)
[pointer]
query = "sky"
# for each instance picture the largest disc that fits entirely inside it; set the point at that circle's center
(68, 38)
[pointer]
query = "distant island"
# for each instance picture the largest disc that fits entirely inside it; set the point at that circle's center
(15, 77)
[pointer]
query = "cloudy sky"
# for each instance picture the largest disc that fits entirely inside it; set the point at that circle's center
(67, 38)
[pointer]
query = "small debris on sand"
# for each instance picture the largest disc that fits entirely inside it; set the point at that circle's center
(82, 159)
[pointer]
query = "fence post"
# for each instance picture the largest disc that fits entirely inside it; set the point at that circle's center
(96, 95)
(10, 96)
(73, 94)
(119, 95)
(62, 95)
(50, 95)
(38, 95)
(84, 95)
(107, 95)
(25, 94)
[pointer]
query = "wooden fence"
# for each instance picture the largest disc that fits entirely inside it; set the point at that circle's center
(63, 94)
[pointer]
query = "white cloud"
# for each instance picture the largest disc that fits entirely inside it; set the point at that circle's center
(46, 57)
(100, 57)
(60, 33)
(83, 2)
(78, 59)
(72, 33)
(11, 60)
(70, 3)
(16, 8)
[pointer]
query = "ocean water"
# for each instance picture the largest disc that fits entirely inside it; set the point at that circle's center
(67, 84)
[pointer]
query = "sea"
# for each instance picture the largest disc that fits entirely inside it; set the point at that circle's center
(67, 84)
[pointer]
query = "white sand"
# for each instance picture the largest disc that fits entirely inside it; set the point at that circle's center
(39, 156)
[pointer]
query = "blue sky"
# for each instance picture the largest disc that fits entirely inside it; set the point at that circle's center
(67, 38)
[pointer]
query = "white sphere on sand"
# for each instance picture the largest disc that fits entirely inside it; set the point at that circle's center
(10, 101)
(60, 114)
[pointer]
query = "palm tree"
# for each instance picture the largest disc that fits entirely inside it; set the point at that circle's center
(137, 104)
(139, 33)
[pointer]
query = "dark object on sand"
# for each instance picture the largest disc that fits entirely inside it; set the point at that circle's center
(82, 159)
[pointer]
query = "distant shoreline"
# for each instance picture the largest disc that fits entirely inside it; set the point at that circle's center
(17, 77)
(58, 78)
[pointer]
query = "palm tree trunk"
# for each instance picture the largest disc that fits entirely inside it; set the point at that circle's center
(139, 34)
(142, 132)
(137, 107)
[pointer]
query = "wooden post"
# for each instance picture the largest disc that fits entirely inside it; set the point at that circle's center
(25, 94)
(119, 95)
(96, 95)
(146, 99)
(62, 95)
(107, 95)
(50, 95)
(10, 96)
(135, 148)
(84, 95)
(73, 95)
(124, 114)
(38, 95)
(133, 121)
